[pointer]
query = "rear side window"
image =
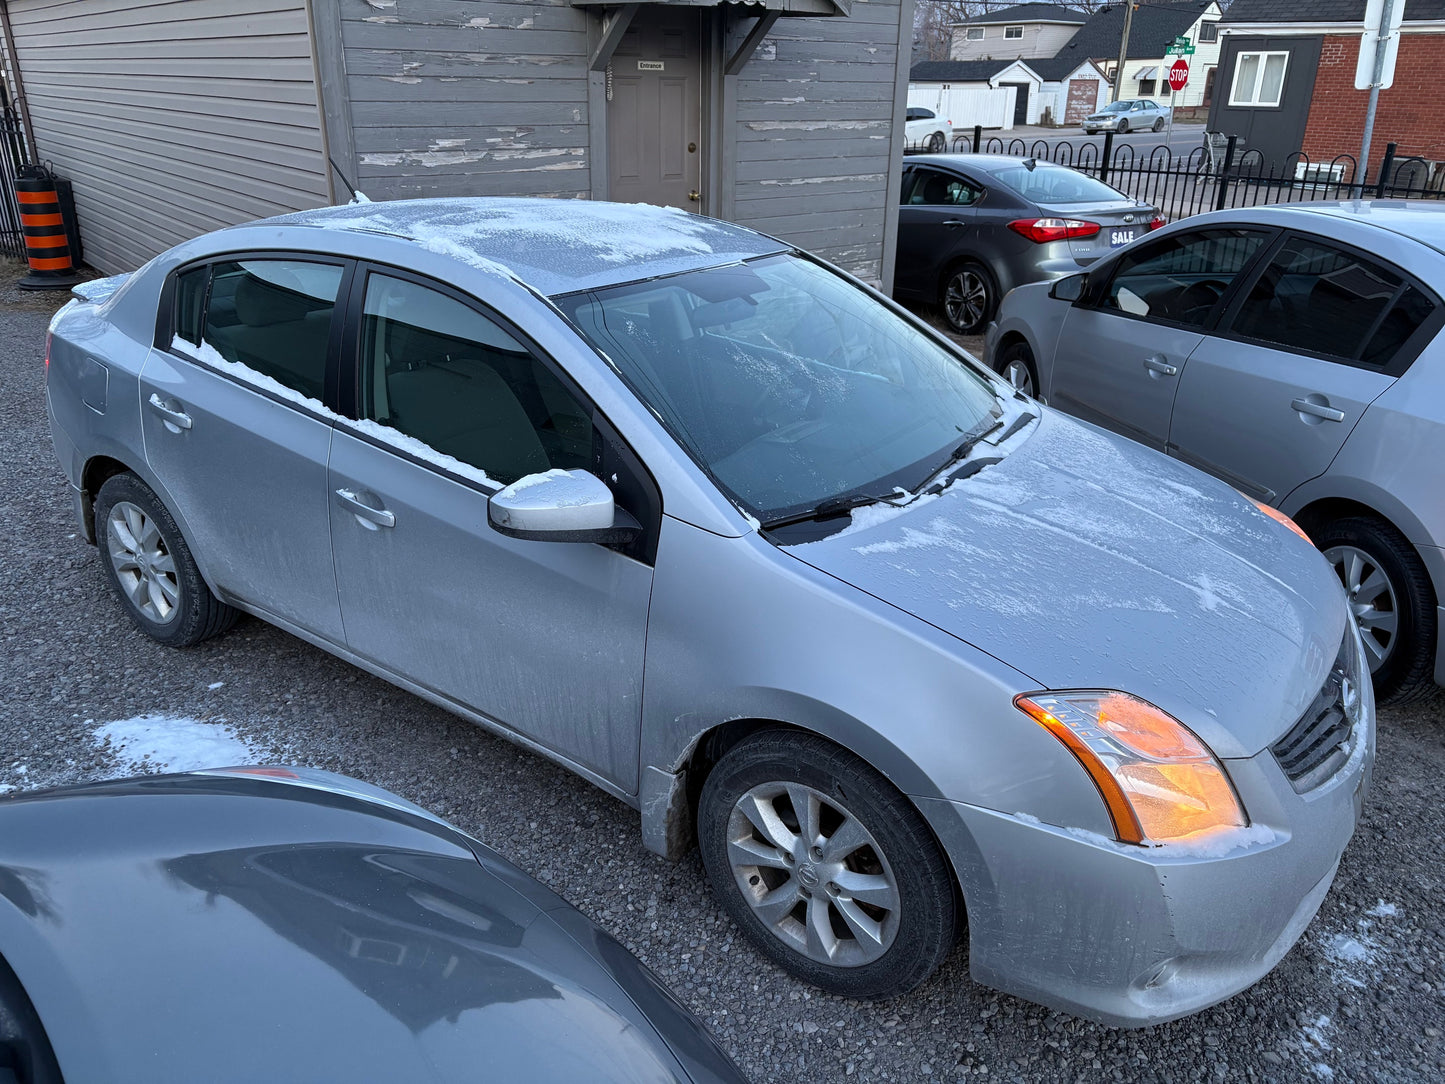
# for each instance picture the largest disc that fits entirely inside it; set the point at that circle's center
(1180, 279)
(190, 305)
(1320, 299)
(273, 316)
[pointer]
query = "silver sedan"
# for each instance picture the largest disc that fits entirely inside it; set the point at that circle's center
(752, 549)
(1129, 115)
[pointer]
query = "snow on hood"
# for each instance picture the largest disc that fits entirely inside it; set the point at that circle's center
(1087, 561)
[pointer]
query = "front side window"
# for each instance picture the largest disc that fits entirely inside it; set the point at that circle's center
(1258, 79)
(271, 315)
(934, 188)
(1320, 299)
(1013, 31)
(441, 372)
(788, 385)
(1181, 279)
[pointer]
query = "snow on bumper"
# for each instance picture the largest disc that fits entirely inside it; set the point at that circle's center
(1133, 936)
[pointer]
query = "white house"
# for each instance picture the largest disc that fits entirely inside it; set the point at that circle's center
(1023, 32)
(1048, 91)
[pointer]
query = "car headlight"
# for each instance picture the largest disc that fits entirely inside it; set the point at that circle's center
(1160, 783)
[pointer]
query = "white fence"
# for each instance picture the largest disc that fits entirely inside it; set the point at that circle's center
(966, 106)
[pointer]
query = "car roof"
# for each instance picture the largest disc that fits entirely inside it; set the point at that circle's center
(1421, 220)
(556, 246)
(986, 162)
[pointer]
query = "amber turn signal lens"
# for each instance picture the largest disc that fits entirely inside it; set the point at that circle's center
(1279, 517)
(1159, 782)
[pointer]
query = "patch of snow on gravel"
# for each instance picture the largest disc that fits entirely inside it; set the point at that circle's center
(171, 743)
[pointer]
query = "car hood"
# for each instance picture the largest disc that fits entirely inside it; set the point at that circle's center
(183, 921)
(1086, 561)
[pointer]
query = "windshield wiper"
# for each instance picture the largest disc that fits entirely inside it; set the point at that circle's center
(961, 452)
(837, 506)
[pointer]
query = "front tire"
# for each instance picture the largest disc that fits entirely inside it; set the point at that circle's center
(150, 567)
(1016, 365)
(826, 866)
(967, 299)
(1391, 600)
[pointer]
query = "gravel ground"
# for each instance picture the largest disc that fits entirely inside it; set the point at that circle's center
(1361, 998)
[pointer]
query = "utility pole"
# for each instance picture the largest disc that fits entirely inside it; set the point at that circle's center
(1383, 31)
(1123, 50)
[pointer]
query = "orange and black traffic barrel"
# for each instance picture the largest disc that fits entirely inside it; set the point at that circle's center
(47, 246)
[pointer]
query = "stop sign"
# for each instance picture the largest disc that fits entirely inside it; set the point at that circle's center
(1179, 75)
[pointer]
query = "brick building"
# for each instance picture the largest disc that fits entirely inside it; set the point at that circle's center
(1287, 83)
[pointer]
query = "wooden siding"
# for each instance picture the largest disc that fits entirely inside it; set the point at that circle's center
(490, 97)
(172, 117)
(817, 109)
(467, 97)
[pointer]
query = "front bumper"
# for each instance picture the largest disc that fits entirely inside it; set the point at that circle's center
(1133, 936)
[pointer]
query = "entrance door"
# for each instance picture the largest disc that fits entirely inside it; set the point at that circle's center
(654, 116)
(1021, 102)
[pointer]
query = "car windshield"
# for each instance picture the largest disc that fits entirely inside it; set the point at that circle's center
(789, 385)
(1117, 107)
(1053, 184)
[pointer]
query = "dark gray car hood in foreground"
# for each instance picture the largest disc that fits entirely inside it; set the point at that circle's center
(1087, 561)
(192, 928)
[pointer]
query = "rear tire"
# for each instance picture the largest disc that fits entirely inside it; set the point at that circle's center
(850, 892)
(1016, 365)
(150, 567)
(968, 298)
(1123, 127)
(1391, 601)
(1158, 124)
(936, 143)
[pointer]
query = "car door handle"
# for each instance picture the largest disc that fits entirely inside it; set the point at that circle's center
(1157, 364)
(954, 222)
(173, 415)
(1318, 410)
(370, 517)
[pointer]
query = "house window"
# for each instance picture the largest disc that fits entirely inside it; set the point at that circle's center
(1146, 88)
(1208, 32)
(975, 33)
(1258, 79)
(1013, 32)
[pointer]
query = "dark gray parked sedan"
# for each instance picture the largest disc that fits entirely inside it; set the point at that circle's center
(250, 924)
(974, 226)
(1294, 352)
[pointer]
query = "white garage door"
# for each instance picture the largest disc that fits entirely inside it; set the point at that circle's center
(172, 117)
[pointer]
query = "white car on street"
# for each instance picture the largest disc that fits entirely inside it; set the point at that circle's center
(925, 130)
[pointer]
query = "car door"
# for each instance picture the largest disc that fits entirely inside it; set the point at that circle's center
(1267, 402)
(936, 221)
(546, 638)
(1124, 344)
(237, 432)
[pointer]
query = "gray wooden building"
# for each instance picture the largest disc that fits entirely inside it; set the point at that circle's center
(173, 117)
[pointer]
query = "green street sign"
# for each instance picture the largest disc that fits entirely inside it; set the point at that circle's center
(1177, 49)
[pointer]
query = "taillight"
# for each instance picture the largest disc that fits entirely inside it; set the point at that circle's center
(47, 352)
(1043, 230)
(1157, 221)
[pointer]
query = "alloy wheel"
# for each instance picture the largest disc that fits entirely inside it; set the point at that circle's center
(1016, 372)
(813, 874)
(1372, 600)
(143, 566)
(965, 300)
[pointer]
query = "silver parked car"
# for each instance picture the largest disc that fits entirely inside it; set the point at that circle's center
(262, 923)
(974, 226)
(755, 551)
(1293, 352)
(1129, 115)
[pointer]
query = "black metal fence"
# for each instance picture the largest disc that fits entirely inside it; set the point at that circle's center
(12, 156)
(1222, 172)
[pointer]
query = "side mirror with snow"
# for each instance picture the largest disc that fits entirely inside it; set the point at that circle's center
(560, 506)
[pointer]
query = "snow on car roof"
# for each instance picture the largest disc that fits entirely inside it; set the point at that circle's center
(556, 246)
